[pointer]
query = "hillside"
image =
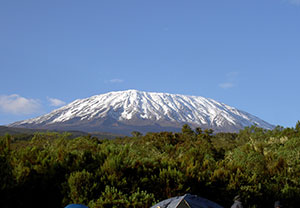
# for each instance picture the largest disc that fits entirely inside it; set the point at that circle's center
(125, 111)
(26, 133)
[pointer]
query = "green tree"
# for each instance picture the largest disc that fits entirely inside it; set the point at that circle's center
(81, 185)
(187, 130)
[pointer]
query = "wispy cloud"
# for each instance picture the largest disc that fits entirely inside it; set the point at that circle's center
(18, 105)
(296, 2)
(55, 102)
(115, 81)
(226, 85)
(231, 80)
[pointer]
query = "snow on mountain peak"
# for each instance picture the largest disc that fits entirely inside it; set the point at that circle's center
(134, 105)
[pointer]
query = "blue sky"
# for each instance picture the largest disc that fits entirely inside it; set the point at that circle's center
(242, 53)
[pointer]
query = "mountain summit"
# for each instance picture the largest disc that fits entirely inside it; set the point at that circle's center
(132, 110)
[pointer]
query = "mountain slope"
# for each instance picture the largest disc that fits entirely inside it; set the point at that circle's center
(126, 111)
(26, 133)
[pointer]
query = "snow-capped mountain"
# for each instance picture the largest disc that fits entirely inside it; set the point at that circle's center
(132, 110)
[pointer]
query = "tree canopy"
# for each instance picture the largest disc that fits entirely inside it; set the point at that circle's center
(53, 169)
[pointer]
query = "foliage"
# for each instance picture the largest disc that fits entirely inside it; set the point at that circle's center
(54, 169)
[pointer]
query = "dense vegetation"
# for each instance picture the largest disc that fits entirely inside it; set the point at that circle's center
(24, 133)
(52, 170)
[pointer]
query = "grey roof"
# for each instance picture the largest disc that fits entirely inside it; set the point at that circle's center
(187, 200)
(76, 206)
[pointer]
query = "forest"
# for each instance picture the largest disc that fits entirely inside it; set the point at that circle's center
(51, 169)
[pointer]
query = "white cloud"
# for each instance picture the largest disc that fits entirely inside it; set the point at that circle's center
(116, 81)
(56, 102)
(296, 2)
(231, 80)
(15, 104)
(226, 85)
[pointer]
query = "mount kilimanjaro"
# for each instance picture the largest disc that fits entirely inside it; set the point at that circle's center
(126, 111)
